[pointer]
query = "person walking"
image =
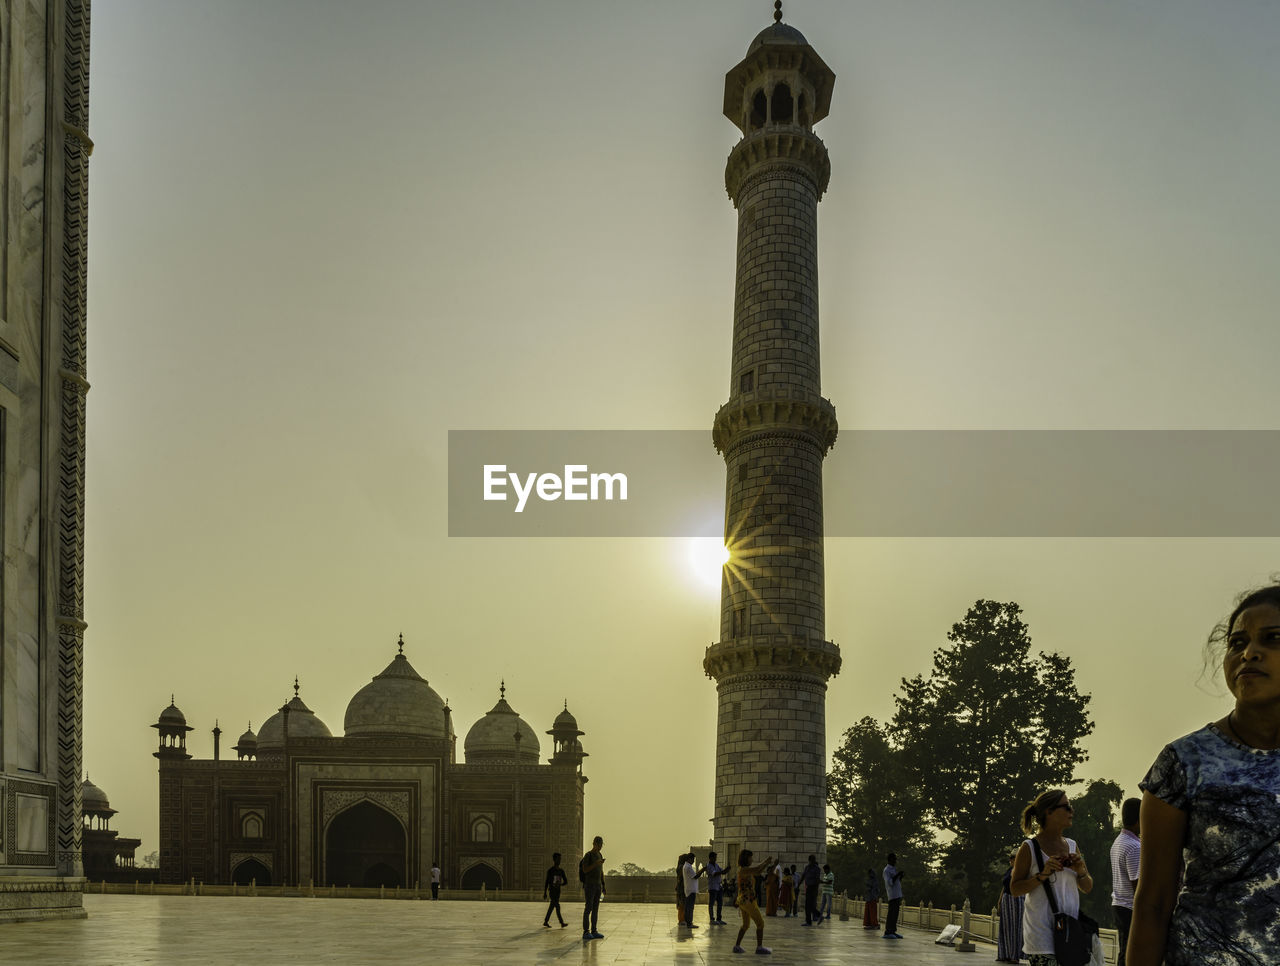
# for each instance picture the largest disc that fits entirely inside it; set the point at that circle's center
(892, 892)
(1126, 856)
(715, 890)
(551, 889)
(747, 900)
(435, 879)
(811, 878)
(592, 870)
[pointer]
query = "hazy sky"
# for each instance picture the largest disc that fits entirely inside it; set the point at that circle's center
(323, 234)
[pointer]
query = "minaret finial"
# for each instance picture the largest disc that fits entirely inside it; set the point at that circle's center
(566, 704)
(502, 689)
(172, 699)
(295, 685)
(777, 11)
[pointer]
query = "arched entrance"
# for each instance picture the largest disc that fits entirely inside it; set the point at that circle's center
(251, 870)
(365, 846)
(481, 875)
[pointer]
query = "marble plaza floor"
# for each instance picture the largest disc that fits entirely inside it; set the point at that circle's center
(224, 931)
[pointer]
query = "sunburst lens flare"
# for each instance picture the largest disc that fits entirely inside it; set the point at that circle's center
(707, 558)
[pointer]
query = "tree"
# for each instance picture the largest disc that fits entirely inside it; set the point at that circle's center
(988, 730)
(1094, 827)
(630, 868)
(880, 808)
(879, 804)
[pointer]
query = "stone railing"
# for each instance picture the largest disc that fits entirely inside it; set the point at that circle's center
(982, 928)
(617, 889)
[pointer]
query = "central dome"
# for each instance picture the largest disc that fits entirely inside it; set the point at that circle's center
(396, 702)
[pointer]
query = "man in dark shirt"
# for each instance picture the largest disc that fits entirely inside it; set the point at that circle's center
(592, 867)
(811, 878)
(555, 879)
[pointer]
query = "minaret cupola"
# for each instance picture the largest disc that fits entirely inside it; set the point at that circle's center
(173, 729)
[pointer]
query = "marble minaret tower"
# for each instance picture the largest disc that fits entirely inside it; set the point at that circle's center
(772, 662)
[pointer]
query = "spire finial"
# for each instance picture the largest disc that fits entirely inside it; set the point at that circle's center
(502, 689)
(566, 704)
(172, 699)
(401, 645)
(777, 11)
(295, 686)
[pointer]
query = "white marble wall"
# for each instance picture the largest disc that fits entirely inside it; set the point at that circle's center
(36, 774)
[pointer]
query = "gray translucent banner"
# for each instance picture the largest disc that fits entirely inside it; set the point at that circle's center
(877, 483)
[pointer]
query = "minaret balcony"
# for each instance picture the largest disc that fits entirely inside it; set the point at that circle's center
(771, 409)
(774, 146)
(776, 653)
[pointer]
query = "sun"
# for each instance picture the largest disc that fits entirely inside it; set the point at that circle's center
(707, 557)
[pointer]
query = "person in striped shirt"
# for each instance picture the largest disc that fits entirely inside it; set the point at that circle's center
(1125, 852)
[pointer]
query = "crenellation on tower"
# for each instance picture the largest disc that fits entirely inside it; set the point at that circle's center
(773, 660)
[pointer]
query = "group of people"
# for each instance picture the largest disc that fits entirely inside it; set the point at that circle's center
(591, 875)
(1196, 868)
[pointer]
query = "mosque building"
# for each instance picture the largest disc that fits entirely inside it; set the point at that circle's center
(376, 806)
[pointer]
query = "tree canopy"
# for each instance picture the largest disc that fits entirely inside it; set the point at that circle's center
(967, 747)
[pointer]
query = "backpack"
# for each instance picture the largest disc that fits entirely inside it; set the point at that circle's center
(582, 875)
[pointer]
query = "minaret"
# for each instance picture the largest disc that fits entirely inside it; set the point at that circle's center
(773, 661)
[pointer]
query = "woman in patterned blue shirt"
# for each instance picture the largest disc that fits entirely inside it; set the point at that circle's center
(1212, 801)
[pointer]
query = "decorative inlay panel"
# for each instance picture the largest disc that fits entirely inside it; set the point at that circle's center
(333, 801)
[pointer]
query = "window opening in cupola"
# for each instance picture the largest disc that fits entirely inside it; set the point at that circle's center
(759, 110)
(781, 105)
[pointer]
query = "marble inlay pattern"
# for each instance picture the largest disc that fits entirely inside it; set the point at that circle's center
(28, 791)
(333, 801)
(72, 368)
(264, 857)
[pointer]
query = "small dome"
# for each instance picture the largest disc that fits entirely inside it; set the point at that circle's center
(778, 34)
(493, 737)
(397, 702)
(303, 723)
(93, 797)
(248, 739)
(565, 723)
(172, 716)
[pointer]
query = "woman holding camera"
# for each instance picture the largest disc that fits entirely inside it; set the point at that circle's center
(1212, 800)
(1047, 856)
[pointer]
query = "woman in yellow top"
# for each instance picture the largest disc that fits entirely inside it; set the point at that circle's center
(747, 899)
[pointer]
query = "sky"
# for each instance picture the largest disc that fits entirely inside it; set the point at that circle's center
(324, 234)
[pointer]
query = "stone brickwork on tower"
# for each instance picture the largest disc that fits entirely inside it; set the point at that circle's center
(772, 661)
